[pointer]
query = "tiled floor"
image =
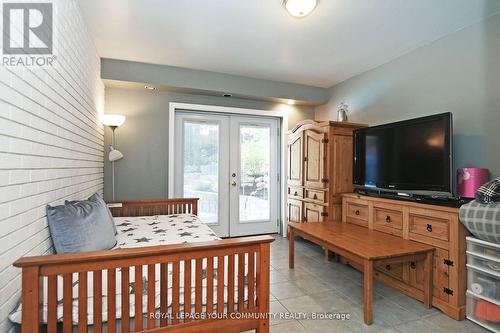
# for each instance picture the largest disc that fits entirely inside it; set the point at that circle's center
(318, 286)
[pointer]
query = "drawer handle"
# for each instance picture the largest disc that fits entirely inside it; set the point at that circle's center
(388, 219)
(413, 265)
(356, 212)
(295, 194)
(429, 227)
(388, 267)
(315, 197)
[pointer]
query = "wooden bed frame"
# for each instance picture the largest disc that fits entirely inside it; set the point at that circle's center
(247, 314)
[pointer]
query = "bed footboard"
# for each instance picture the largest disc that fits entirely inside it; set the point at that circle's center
(242, 305)
(154, 207)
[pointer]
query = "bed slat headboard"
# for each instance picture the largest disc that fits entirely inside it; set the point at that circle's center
(154, 207)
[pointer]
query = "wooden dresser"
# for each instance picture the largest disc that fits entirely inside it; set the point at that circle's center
(319, 169)
(433, 225)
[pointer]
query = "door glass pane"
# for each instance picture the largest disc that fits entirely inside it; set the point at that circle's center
(255, 166)
(201, 167)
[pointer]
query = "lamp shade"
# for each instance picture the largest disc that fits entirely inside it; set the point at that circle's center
(113, 120)
(114, 155)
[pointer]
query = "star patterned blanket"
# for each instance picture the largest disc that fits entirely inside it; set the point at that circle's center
(161, 230)
(145, 231)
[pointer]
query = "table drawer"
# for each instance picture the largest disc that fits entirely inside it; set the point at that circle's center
(393, 270)
(388, 219)
(429, 229)
(295, 192)
(357, 213)
(317, 196)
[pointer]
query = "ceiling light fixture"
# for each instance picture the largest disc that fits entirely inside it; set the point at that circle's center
(148, 87)
(300, 8)
(227, 95)
(290, 102)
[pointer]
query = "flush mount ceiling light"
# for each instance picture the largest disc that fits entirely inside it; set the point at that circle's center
(300, 8)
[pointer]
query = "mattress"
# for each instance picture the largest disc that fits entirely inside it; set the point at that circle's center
(139, 232)
(161, 230)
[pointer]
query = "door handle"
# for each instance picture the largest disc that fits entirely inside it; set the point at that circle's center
(233, 183)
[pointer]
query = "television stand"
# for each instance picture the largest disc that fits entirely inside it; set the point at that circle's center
(435, 225)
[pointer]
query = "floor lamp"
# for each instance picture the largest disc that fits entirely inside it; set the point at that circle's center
(113, 121)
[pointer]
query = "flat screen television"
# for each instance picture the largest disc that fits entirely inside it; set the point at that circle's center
(411, 157)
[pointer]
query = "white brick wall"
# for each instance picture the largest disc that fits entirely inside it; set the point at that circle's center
(51, 144)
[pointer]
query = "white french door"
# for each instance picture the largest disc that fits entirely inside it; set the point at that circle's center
(253, 195)
(231, 163)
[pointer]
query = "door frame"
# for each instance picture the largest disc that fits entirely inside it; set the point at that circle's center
(283, 131)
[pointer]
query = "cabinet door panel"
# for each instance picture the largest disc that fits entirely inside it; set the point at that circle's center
(294, 210)
(314, 212)
(440, 274)
(314, 166)
(341, 176)
(295, 160)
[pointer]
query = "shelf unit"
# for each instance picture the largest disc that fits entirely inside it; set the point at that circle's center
(483, 283)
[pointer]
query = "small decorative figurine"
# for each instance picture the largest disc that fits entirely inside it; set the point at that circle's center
(342, 112)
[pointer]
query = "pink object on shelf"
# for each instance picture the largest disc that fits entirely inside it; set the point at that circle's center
(470, 180)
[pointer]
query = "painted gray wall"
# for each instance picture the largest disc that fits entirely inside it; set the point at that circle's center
(143, 139)
(458, 73)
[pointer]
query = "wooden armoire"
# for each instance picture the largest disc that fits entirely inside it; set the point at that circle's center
(319, 169)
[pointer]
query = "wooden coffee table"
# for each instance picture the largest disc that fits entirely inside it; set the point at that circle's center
(367, 247)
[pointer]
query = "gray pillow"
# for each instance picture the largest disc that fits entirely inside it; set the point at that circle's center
(97, 198)
(80, 226)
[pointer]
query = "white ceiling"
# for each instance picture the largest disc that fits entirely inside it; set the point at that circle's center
(258, 38)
